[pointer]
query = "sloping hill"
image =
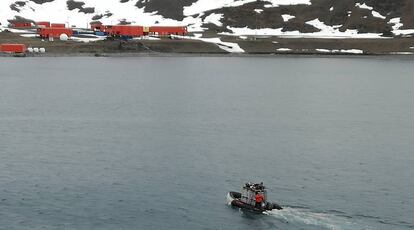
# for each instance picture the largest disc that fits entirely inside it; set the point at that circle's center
(274, 17)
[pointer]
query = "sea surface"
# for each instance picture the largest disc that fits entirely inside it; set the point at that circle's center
(157, 142)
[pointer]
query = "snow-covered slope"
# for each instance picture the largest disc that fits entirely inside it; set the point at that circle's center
(112, 11)
(314, 18)
(201, 6)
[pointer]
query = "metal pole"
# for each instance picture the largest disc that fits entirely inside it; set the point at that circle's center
(255, 31)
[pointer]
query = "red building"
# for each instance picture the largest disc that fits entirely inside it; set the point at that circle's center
(167, 30)
(97, 26)
(58, 25)
(20, 24)
(12, 48)
(43, 24)
(106, 29)
(125, 30)
(51, 32)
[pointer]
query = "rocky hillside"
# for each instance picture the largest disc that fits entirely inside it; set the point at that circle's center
(238, 17)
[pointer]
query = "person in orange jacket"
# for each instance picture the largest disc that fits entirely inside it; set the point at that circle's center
(259, 200)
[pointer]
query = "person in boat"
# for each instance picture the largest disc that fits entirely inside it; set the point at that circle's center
(259, 200)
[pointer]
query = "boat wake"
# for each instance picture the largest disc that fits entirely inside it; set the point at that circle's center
(303, 216)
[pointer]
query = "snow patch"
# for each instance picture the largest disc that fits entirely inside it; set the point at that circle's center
(194, 24)
(352, 51)
(396, 22)
(277, 3)
(258, 11)
(147, 38)
(326, 32)
(87, 39)
(227, 46)
(378, 15)
(323, 50)
(333, 31)
(364, 6)
(206, 5)
(287, 17)
(374, 13)
(284, 49)
(349, 51)
(214, 19)
(29, 35)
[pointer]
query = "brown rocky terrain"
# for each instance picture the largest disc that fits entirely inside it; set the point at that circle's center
(265, 46)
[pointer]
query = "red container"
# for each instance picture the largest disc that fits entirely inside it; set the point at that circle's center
(168, 30)
(126, 30)
(21, 24)
(58, 25)
(43, 24)
(12, 48)
(54, 32)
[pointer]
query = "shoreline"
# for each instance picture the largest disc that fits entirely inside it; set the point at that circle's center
(266, 47)
(221, 55)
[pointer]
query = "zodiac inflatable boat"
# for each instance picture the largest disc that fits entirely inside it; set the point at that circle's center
(252, 198)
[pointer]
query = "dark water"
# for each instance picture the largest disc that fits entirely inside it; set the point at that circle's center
(156, 143)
